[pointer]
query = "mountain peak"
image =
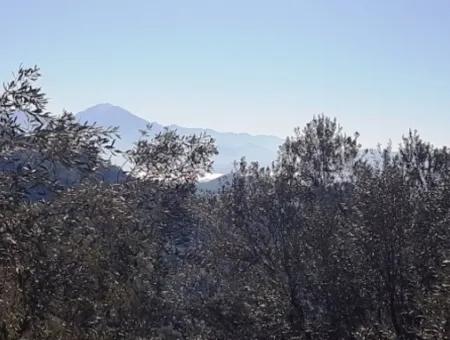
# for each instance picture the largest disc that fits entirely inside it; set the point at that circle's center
(101, 105)
(232, 146)
(112, 115)
(105, 108)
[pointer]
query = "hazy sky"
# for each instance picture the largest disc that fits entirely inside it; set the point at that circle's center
(257, 66)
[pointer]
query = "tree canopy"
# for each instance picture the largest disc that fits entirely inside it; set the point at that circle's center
(324, 244)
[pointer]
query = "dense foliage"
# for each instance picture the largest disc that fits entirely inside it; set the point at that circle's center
(328, 243)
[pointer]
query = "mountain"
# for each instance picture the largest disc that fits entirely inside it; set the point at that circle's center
(215, 184)
(231, 146)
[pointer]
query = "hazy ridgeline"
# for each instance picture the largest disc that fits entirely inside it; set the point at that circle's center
(321, 245)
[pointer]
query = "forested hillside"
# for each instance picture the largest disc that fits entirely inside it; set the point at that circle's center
(321, 245)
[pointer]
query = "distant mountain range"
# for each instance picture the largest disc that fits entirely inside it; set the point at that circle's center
(231, 146)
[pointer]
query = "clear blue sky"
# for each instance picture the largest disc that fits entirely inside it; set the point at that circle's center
(258, 66)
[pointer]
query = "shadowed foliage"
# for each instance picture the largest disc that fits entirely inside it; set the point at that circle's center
(324, 244)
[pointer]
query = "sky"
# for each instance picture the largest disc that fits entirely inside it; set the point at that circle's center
(263, 67)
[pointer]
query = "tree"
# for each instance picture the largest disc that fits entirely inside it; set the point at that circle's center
(88, 259)
(320, 154)
(321, 245)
